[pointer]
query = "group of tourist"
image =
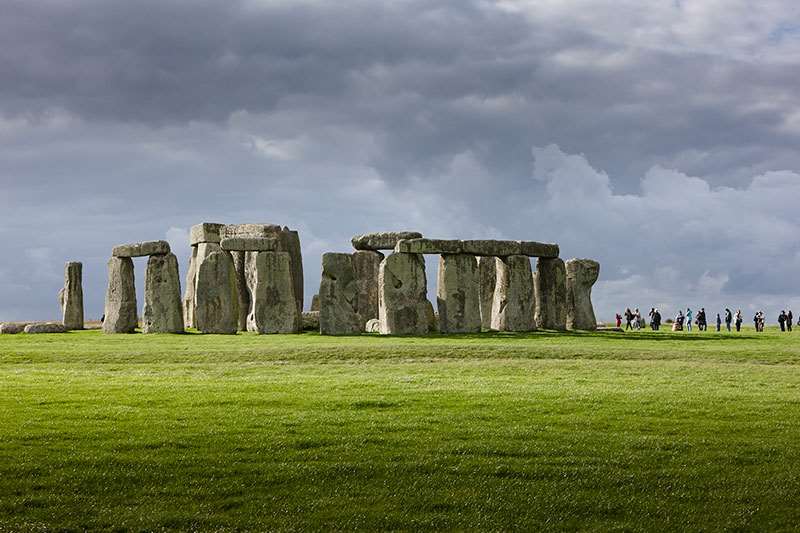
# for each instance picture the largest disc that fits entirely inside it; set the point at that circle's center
(635, 321)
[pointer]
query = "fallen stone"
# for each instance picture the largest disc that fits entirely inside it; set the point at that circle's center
(458, 294)
(384, 240)
(48, 327)
(216, 298)
(141, 249)
(120, 304)
(315, 303)
(311, 321)
(273, 308)
(249, 244)
(72, 296)
(338, 296)
(373, 325)
(404, 308)
(550, 289)
(240, 265)
(205, 232)
(11, 329)
(366, 265)
(487, 278)
(513, 306)
(581, 275)
(162, 296)
(428, 246)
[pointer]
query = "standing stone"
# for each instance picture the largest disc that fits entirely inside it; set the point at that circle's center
(120, 308)
(550, 288)
(458, 294)
(314, 303)
(240, 265)
(162, 296)
(487, 278)
(72, 297)
(404, 308)
(216, 297)
(338, 296)
(366, 265)
(188, 295)
(513, 306)
(273, 307)
(581, 275)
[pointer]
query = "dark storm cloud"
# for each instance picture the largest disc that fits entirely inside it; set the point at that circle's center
(132, 120)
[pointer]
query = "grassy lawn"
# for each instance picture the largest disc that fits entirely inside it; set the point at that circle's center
(565, 431)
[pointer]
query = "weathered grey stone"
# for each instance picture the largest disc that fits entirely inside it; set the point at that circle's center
(11, 329)
(550, 288)
(373, 325)
(240, 264)
(338, 296)
(539, 249)
(229, 231)
(315, 303)
(311, 321)
(205, 232)
(120, 305)
(458, 294)
(404, 308)
(492, 248)
(513, 306)
(384, 240)
(366, 265)
(72, 297)
(428, 246)
(273, 308)
(188, 295)
(141, 249)
(487, 277)
(162, 296)
(216, 297)
(581, 275)
(249, 244)
(45, 327)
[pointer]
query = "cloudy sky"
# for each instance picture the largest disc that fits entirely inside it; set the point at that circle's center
(661, 138)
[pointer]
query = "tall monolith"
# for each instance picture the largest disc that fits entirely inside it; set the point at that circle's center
(162, 296)
(550, 288)
(514, 305)
(216, 296)
(120, 306)
(72, 296)
(581, 275)
(403, 308)
(366, 266)
(458, 294)
(487, 278)
(273, 307)
(338, 296)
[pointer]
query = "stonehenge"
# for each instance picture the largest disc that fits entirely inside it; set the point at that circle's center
(458, 294)
(273, 307)
(550, 290)
(487, 277)
(581, 275)
(71, 296)
(120, 306)
(216, 307)
(338, 296)
(366, 265)
(513, 306)
(403, 306)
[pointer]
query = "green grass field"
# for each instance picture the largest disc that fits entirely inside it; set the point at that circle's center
(598, 431)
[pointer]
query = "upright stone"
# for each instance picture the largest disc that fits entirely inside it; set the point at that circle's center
(72, 297)
(581, 275)
(240, 265)
(314, 303)
(487, 278)
(458, 294)
(217, 298)
(513, 306)
(162, 296)
(338, 296)
(290, 243)
(273, 308)
(120, 307)
(550, 288)
(404, 308)
(188, 295)
(366, 265)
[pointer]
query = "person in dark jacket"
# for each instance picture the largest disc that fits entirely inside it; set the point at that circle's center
(719, 322)
(789, 318)
(728, 318)
(782, 320)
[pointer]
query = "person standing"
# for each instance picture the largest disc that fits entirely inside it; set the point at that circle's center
(789, 318)
(689, 315)
(739, 320)
(719, 323)
(628, 319)
(702, 323)
(782, 320)
(619, 320)
(728, 318)
(637, 319)
(657, 319)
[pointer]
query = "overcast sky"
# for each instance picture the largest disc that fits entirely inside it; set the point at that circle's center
(661, 138)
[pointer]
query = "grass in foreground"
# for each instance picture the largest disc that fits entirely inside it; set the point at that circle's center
(587, 431)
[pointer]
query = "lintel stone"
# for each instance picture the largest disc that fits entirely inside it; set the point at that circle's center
(205, 232)
(141, 249)
(249, 244)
